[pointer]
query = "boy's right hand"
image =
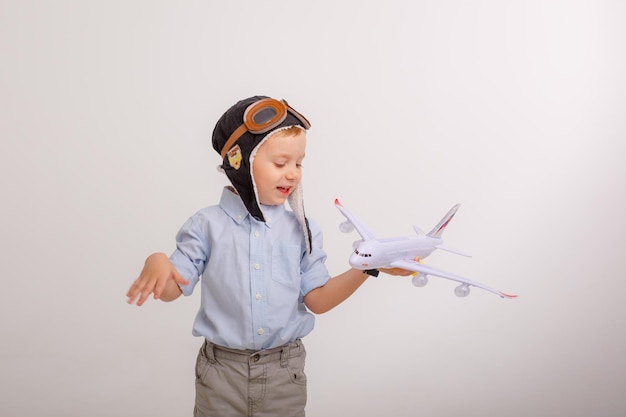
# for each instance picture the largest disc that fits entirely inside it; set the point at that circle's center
(158, 277)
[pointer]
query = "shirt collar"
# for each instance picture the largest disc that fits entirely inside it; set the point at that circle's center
(232, 204)
(272, 214)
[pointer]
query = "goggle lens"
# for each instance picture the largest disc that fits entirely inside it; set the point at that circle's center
(264, 115)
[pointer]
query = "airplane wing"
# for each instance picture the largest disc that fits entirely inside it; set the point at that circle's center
(421, 268)
(363, 230)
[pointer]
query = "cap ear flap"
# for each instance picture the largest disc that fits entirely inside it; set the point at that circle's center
(255, 204)
(296, 202)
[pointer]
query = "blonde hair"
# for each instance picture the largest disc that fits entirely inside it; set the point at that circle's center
(292, 130)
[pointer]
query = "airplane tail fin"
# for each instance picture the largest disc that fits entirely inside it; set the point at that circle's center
(441, 226)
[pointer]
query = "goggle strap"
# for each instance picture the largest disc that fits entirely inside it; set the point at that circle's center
(232, 139)
(243, 128)
(305, 123)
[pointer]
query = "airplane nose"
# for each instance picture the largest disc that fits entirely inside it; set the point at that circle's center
(359, 262)
(354, 261)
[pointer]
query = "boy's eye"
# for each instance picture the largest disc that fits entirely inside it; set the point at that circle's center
(281, 164)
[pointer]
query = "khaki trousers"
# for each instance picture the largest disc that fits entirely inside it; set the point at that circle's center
(235, 383)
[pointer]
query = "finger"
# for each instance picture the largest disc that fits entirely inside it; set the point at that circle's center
(130, 299)
(145, 293)
(131, 289)
(398, 272)
(134, 298)
(134, 291)
(158, 288)
(142, 299)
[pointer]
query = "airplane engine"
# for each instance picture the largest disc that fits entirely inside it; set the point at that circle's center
(346, 227)
(420, 280)
(462, 290)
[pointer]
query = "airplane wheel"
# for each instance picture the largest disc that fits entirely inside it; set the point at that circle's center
(462, 290)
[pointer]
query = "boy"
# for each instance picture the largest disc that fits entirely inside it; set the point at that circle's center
(262, 268)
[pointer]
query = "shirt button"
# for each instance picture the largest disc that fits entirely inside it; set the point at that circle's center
(268, 220)
(256, 234)
(239, 217)
(257, 266)
(260, 331)
(259, 297)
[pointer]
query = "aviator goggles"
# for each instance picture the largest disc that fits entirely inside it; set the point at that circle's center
(263, 116)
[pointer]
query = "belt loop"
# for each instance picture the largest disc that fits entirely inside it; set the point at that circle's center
(209, 349)
(284, 356)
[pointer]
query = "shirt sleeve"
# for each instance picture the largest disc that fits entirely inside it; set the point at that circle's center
(192, 252)
(313, 267)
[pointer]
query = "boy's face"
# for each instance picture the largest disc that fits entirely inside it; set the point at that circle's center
(277, 168)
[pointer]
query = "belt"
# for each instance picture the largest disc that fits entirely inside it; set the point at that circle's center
(281, 353)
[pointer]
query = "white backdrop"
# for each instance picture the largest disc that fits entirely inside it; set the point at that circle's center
(515, 109)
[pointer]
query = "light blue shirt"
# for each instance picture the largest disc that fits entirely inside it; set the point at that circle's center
(253, 275)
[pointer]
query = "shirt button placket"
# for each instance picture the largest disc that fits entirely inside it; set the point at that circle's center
(257, 282)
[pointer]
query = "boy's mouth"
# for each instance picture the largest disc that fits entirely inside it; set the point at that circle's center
(284, 190)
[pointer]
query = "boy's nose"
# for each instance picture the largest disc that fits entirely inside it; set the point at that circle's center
(292, 173)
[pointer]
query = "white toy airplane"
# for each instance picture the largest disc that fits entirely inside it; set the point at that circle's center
(406, 252)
